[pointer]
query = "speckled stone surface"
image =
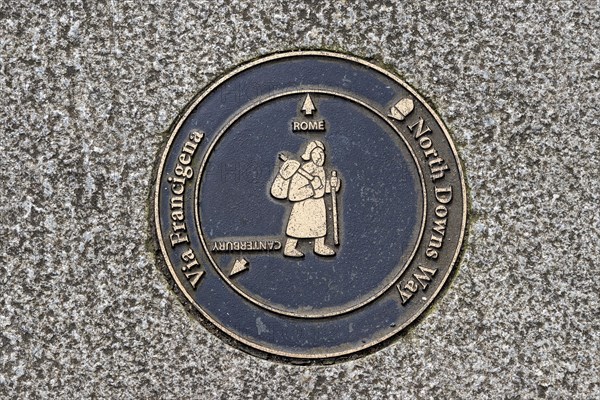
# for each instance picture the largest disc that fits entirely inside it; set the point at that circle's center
(88, 90)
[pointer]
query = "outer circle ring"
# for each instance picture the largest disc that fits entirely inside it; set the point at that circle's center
(250, 344)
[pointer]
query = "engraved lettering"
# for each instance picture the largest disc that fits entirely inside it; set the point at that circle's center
(430, 152)
(420, 132)
(441, 211)
(178, 238)
(424, 276)
(178, 226)
(176, 202)
(177, 184)
(194, 277)
(245, 245)
(308, 126)
(439, 225)
(443, 195)
(436, 241)
(177, 188)
(177, 179)
(189, 148)
(437, 165)
(431, 253)
(188, 255)
(425, 143)
(177, 216)
(186, 171)
(190, 265)
(185, 158)
(438, 172)
(197, 136)
(411, 286)
(404, 294)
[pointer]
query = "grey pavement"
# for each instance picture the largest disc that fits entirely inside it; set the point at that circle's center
(88, 90)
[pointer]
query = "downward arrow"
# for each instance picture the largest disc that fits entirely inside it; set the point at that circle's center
(239, 266)
(308, 107)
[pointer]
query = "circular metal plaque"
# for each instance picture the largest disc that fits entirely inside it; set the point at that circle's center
(310, 205)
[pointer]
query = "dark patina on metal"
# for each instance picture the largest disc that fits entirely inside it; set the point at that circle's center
(310, 205)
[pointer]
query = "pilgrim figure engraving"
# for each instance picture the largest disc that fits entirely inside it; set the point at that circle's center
(305, 184)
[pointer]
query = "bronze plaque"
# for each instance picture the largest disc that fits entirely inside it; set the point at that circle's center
(310, 205)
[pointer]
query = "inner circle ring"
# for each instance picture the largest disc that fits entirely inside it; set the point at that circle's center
(241, 292)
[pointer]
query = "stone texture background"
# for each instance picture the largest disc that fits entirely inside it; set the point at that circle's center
(88, 90)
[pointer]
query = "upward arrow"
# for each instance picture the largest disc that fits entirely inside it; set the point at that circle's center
(308, 107)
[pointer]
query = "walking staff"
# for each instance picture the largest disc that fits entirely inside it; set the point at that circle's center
(334, 188)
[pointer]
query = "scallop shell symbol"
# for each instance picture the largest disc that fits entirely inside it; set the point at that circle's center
(401, 109)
